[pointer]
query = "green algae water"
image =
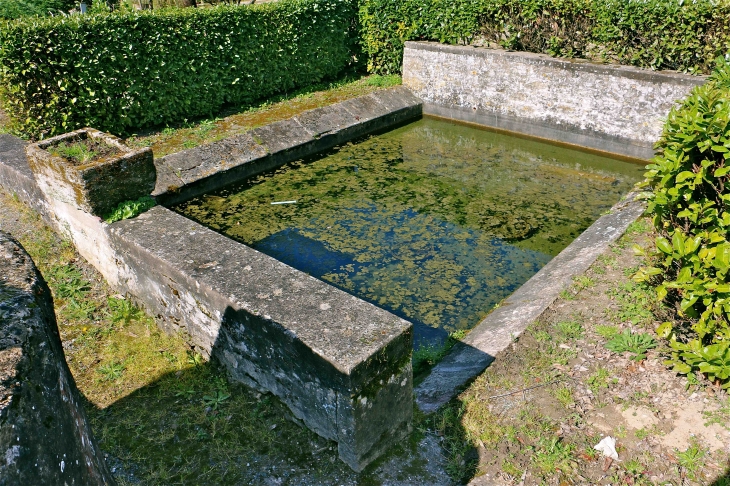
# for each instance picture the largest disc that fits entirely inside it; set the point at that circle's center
(435, 222)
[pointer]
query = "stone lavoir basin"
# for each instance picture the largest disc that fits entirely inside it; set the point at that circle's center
(434, 221)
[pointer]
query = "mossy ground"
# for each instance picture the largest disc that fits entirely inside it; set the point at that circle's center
(189, 134)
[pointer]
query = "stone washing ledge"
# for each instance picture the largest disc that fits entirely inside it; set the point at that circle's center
(44, 435)
(186, 174)
(501, 327)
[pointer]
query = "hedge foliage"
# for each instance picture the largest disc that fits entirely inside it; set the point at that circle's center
(123, 71)
(657, 34)
(690, 204)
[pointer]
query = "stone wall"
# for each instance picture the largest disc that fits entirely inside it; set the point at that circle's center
(44, 435)
(609, 108)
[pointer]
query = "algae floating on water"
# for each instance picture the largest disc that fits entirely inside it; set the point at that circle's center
(434, 221)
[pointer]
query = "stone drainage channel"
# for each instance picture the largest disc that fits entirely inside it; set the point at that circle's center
(342, 365)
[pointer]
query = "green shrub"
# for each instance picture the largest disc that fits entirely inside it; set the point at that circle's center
(122, 71)
(690, 205)
(657, 34)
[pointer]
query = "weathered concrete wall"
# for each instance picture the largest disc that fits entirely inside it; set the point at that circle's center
(16, 176)
(44, 435)
(616, 109)
(192, 172)
(342, 365)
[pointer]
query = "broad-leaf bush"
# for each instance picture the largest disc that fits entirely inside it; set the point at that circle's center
(689, 201)
(120, 72)
(656, 34)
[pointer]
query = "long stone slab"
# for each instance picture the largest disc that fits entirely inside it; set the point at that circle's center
(196, 171)
(341, 364)
(15, 173)
(501, 327)
(615, 109)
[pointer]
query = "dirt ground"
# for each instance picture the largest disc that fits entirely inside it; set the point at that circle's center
(536, 414)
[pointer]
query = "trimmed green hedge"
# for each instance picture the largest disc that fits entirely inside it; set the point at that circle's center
(122, 72)
(387, 24)
(690, 204)
(657, 34)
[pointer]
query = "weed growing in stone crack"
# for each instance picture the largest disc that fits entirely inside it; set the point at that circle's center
(637, 343)
(426, 356)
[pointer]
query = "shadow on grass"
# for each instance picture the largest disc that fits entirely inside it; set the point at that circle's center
(194, 427)
(723, 480)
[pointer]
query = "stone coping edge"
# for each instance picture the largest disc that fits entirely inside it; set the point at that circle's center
(576, 64)
(184, 175)
(499, 329)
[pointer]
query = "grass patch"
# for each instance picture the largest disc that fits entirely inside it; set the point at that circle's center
(607, 331)
(570, 330)
(635, 303)
(83, 151)
(236, 120)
